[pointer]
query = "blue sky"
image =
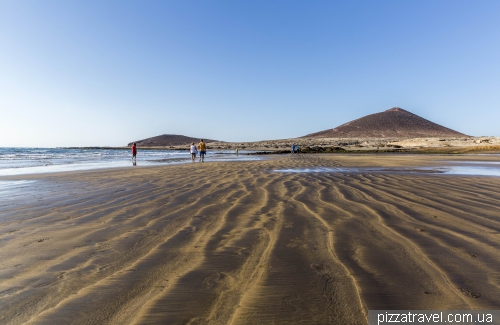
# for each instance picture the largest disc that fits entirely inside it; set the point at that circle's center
(83, 73)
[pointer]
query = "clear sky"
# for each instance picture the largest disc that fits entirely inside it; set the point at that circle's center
(105, 73)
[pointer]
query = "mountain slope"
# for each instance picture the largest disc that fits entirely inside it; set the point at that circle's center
(166, 140)
(392, 123)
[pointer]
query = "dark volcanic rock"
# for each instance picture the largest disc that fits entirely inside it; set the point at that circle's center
(393, 123)
(167, 140)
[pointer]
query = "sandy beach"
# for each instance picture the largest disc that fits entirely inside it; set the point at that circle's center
(239, 243)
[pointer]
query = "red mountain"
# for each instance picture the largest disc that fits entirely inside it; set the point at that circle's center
(392, 123)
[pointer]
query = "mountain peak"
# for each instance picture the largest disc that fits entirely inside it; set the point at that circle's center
(396, 109)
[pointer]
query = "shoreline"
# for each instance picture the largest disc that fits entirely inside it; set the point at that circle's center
(28, 161)
(327, 149)
(126, 165)
(452, 145)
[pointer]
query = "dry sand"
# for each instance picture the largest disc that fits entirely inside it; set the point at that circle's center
(235, 243)
(358, 143)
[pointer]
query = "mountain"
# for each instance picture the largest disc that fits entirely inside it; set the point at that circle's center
(167, 140)
(392, 123)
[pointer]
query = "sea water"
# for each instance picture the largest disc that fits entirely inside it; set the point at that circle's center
(24, 161)
(21, 161)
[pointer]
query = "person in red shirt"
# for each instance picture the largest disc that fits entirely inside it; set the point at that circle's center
(134, 151)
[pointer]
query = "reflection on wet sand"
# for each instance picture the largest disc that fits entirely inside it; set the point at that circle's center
(473, 168)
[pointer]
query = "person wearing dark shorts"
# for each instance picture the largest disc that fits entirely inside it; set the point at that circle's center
(193, 151)
(134, 151)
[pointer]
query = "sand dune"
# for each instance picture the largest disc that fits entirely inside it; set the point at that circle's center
(236, 243)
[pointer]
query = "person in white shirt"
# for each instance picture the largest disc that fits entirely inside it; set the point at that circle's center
(193, 151)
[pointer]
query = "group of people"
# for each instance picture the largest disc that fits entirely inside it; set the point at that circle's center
(201, 148)
(194, 150)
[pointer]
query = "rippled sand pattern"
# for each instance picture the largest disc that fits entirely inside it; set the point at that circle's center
(235, 243)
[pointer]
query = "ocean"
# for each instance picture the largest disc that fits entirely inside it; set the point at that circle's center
(20, 161)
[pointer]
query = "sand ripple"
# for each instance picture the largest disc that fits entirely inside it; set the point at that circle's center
(235, 243)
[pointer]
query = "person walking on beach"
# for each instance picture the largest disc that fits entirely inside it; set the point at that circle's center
(202, 147)
(134, 151)
(236, 152)
(193, 151)
(293, 148)
(298, 148)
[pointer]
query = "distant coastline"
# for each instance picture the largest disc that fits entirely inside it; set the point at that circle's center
(452, 145)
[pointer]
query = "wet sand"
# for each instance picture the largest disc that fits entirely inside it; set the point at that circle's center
(236, 243)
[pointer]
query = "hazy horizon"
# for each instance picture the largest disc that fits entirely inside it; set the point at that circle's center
(92, 73)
